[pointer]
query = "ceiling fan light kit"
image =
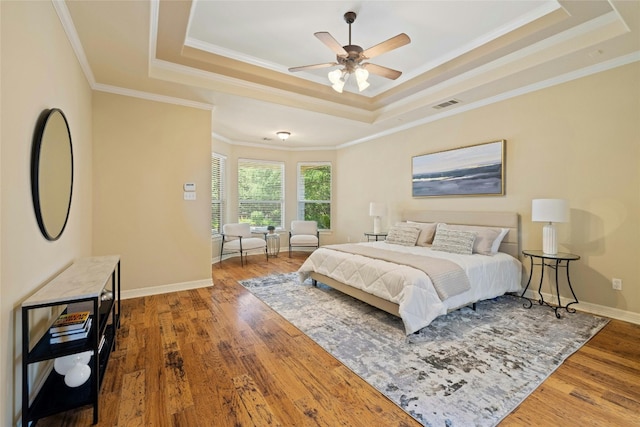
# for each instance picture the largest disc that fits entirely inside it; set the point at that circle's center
(351, 58)
(361, 78)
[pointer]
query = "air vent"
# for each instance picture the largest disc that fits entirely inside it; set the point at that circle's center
(447, 104)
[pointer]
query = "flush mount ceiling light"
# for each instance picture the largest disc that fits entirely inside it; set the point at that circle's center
(351, 58)
(283, 135)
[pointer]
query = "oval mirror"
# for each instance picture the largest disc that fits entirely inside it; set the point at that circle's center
(52, 173)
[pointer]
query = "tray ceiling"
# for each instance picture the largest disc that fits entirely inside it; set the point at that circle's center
(233, 56)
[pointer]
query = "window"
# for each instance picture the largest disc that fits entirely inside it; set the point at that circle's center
(314, 193)
(218, 202)
(261, 192)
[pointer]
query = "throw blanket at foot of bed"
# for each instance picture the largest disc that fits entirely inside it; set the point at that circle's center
(448, 278)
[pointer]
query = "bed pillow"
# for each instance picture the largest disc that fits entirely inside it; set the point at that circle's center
(427, 231)
(453, 241)
(404, 235)
(485, 237)
(496, 243)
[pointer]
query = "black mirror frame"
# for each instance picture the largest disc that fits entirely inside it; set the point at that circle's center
(41, 125)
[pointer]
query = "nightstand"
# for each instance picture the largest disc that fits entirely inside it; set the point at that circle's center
(370, 235)
(555, 262)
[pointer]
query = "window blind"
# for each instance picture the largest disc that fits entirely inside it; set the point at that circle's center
(218, 202)
(261, 192)
(314, 193)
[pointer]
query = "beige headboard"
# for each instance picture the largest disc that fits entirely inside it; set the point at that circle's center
(511, 220)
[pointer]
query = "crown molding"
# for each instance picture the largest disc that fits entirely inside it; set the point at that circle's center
(152, 97)
(72, 35)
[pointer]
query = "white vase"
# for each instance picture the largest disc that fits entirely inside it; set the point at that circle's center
(77, 375)
(63, 364)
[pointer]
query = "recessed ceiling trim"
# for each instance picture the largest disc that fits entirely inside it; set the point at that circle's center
(170, 71)
(218, 50)
(543, 10)
(587, 34)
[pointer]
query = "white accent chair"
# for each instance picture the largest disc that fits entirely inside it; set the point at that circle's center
(304, 234)
(236, 237)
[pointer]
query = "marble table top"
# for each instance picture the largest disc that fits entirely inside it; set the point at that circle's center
(85, 278)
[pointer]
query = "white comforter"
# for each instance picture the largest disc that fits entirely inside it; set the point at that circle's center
(411, 289)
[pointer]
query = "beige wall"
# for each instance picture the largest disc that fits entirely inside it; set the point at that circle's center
(144, 152)
(38, 71)
(579, 141)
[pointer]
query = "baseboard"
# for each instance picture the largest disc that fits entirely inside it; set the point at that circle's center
(163, 289)
(598, 310)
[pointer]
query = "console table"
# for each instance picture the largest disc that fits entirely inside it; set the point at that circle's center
(555, 262)
(83, 283)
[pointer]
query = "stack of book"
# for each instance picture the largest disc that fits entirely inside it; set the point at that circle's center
(70, 327)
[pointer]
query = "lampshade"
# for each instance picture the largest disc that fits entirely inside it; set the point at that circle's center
(361, 77)
(377, 209)
(549, 210)
(334, 76)
(283, 135)
(338, 78)
(338, 86)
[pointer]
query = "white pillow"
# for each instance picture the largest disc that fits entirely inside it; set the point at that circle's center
(496, 243)
(427, 231)
(453, 241)
(485, 236)
(403, 235)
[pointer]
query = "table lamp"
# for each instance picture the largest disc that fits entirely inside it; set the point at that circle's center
(377, 210)
(549, 211)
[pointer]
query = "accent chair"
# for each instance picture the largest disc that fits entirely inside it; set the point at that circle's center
(303, 234)
(236, 237)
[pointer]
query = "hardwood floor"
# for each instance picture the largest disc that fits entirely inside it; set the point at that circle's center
(219, 357)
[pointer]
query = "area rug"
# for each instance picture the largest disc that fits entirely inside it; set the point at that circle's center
(468, 368)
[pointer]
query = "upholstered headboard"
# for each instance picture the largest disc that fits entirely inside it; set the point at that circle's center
(511, 220)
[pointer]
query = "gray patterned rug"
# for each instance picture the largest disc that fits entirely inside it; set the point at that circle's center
(465, 369)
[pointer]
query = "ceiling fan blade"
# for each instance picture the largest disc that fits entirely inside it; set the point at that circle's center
(387, 45)
(331, 43)
(382, 71)
(312, 67)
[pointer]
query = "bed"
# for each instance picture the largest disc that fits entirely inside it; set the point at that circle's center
(390, 274)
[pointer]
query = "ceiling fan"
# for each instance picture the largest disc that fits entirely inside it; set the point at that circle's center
(351, 58)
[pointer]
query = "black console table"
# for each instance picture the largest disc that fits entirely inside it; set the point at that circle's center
(84, 284)
(555, 262)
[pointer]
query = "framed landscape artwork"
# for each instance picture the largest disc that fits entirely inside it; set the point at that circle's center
(476, 170)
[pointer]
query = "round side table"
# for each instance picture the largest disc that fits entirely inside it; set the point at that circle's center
(554, 262)
(273, 244)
